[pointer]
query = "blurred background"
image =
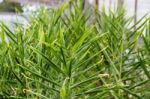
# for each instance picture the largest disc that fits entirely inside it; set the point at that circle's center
(12, 10)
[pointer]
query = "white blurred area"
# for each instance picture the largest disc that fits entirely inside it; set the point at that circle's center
(143, 6)
(10, 19)
(1, 1)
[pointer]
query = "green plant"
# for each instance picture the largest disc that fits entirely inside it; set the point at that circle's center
(67, 53)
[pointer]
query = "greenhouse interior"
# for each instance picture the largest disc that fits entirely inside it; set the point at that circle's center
(74, 49)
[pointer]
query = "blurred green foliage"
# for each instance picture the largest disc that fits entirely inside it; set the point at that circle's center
(9, 6)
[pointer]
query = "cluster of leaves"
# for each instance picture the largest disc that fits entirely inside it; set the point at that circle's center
(71, 53)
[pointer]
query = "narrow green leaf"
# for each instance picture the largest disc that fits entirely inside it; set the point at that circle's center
(40, 76)
(54, 66)
(85, 81)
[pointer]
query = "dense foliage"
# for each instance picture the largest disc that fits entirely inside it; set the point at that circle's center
(76, 53)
